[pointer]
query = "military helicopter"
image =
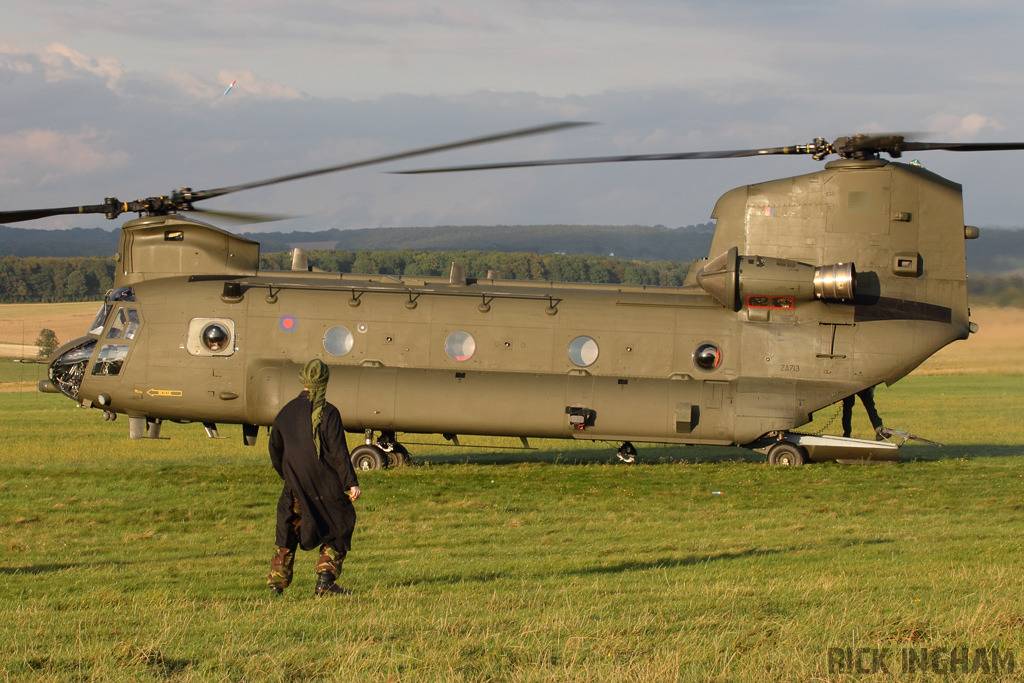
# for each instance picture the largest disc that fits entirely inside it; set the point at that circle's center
(816, 287)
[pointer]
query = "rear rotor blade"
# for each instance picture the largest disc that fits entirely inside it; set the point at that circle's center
(721, 154)
(244, 217)
(964, 146)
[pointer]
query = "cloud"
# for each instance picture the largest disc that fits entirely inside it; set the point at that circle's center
(963, 128)
(61, 61)
(58, 62)
(133, 98)
(45, 156)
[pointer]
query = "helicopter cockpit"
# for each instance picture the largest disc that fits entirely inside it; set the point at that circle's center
(121, 323)
(113, 296)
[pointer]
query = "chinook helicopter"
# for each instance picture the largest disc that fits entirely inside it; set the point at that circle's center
(816, 287)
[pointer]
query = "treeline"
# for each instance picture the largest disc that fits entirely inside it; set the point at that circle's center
(52, 280)
(644, 243)
(1004, 291)
(510, 266)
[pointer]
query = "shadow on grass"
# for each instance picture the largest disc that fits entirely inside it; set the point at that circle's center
(650, 455)
(647, 565)
(620, 568)
(38, 569)
(152, 659)
(912, 453)
(656, 454)
(35, 569)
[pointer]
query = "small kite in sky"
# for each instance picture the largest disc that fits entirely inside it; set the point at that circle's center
(230, 87)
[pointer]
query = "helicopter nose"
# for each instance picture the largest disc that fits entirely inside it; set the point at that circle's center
(68, 369)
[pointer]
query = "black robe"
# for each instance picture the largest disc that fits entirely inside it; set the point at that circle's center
(319, 484)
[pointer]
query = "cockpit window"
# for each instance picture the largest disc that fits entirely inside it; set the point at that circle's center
(110, 359)
(101, 319)
(125, 324)
(113, 296)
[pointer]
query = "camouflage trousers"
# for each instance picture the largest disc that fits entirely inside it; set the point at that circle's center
(283, 560)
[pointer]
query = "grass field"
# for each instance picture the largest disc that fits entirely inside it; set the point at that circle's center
(144, 560)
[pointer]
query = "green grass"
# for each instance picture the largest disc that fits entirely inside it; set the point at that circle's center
(21, 372)
(144, 561)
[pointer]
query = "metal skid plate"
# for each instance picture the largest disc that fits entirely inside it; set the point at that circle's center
(827, 448)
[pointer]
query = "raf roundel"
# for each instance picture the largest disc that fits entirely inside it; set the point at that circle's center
(288, 323)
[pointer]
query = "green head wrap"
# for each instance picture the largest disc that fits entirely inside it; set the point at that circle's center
(314, 376)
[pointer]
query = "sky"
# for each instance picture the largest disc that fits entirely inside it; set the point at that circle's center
(125, 98)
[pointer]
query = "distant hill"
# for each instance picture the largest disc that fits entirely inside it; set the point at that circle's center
(998, 251)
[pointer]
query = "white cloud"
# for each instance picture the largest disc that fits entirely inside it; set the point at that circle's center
(45, 156)
(61, 61)
(963, 128)
(57, 62)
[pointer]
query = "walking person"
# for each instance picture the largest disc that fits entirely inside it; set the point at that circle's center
(309, 452)
(867, 397)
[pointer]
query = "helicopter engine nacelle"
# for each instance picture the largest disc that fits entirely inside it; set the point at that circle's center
(735, 280)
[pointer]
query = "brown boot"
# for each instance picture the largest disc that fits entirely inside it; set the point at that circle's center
(325, 585)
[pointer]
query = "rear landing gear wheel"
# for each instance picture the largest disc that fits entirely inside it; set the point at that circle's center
(627, 452)
(395, 453)
(787, 454)
(368, 457)
(398, 456)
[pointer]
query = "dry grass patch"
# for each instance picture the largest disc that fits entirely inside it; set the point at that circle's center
(20, 324)
(996, 349)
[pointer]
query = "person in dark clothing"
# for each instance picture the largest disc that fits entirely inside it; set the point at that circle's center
(867, 397)
(308, 450)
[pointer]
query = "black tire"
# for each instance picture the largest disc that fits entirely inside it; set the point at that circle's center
(787, 454)
(627, 453)
(367, 457)
(397, 456)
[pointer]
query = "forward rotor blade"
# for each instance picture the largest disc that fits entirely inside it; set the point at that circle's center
(182, 200)
(721, 154)
(33, 214)
(523, 132)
